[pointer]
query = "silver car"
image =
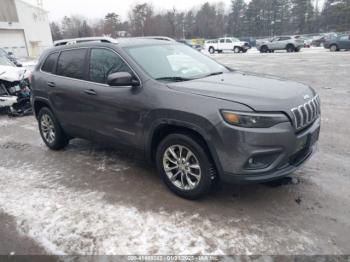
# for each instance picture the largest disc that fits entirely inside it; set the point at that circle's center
(288, 43)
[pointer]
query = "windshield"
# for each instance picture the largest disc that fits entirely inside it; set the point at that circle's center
(5, 62)
(174, 62)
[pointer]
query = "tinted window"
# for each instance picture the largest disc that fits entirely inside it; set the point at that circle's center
(71, 63)
(50, 62)
(104, 62)
(228, 41)
(222, 40)
(284, 38)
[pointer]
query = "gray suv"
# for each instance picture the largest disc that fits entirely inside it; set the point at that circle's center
(198, 121)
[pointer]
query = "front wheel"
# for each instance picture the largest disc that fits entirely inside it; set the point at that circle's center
(211, 50)
(237, 49)
(334, 48)
(51, 131)
(290, 48)
(184, 166)
(264, 49)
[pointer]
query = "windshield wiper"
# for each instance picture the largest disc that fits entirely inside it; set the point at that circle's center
(214, 74)
(211, 74)
(174, 78)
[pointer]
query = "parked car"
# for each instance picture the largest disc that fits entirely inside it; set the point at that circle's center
(307, 40)
(14, 89)
(225, 44)
(288, 43)
(190, 44)
(197, 120)
(10, 56)
(338, 43)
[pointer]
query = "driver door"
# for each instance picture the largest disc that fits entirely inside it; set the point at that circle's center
(274, 43)
(116, 110)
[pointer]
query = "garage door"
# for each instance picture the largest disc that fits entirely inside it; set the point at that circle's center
(13, 41)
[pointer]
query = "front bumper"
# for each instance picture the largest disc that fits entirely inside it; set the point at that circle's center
(281, 147)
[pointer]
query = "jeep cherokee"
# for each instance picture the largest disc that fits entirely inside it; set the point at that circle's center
(197, 120)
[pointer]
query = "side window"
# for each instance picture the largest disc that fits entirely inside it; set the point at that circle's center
(50, 63)
(222, 40)
(344, 37)
(71, 63)
(228, 41)
(104, 62)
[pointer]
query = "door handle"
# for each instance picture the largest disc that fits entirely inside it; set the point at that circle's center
(51, 84)
(90, 92)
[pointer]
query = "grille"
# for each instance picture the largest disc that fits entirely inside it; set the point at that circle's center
(307, 113)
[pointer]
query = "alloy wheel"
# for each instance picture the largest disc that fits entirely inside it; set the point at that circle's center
(48, 128)
(182, 167)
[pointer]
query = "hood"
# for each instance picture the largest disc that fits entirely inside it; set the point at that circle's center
(259, 92)
(13, 74)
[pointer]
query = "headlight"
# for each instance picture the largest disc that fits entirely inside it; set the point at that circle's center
(253, 120)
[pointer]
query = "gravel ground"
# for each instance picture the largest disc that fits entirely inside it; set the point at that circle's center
(92, 200)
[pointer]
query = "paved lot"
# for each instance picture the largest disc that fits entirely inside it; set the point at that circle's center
(92, 200)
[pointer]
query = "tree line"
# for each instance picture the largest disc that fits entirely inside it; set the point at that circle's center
(258, 18)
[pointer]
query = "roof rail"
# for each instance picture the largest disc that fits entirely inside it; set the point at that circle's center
(164, 38)
(84, 40)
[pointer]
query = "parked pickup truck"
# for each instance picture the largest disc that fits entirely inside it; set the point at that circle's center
(226, 43)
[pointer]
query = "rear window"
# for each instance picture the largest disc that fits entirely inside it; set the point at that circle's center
(71, 63)
(50, 63)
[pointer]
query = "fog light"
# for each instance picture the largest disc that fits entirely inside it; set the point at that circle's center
(260, 161)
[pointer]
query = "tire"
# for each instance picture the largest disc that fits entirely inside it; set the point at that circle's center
(334, 48)
(211, 50)
(189, 183)
(290, 48)
(51, 131)
(297, 50)
(237, 49)
(264, 49)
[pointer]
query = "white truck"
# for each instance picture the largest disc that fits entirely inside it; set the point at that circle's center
(225, 44)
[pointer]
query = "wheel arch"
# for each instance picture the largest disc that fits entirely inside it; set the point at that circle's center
(38, 104)
(160, 131)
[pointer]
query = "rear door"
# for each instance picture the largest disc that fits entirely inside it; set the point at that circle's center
(282, 42)
(221, 44)
(67, 91)
(229, 44)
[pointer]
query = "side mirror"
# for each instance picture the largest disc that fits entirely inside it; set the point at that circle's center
(122, 79)
(10, 53)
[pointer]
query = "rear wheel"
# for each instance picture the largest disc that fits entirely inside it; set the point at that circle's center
(51, 131)
(334, 48)
(211, 50)
(184, 166)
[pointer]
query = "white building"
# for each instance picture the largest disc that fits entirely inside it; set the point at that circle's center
(24, 28)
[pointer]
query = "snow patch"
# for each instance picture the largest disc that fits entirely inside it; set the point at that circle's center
(70, 221)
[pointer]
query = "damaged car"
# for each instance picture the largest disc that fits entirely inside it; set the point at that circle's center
(14, 89)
